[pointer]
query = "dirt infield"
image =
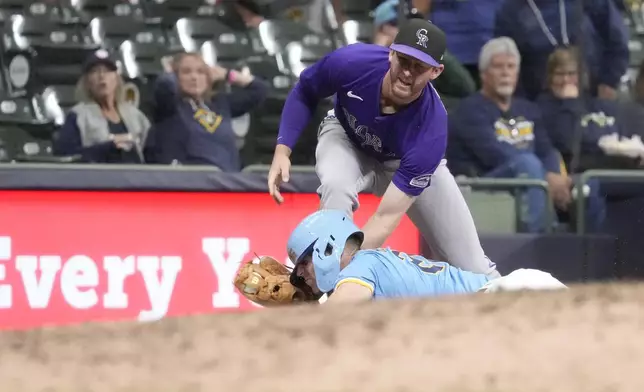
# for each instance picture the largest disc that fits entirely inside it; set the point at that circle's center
(589, 339)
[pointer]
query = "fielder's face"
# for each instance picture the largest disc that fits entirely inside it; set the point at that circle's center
(409, 76)
(192, 74)
(501, 75)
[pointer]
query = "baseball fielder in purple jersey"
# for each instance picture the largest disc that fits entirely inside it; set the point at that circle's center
(387, 134)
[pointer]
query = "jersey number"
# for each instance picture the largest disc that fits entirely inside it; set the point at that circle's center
(424, 265)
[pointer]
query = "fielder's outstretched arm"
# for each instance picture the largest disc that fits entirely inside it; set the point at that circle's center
(409, 181)
(383, 222)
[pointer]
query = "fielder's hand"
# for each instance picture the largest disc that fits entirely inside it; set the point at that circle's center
(279, 172)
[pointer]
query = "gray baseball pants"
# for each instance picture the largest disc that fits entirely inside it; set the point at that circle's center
(440, 213)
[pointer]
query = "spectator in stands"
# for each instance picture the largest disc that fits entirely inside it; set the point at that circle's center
(103, 127)
(454, 82)
(538, 27)
(468, 24)
(575, 120)
(493, 134)
(193, 123)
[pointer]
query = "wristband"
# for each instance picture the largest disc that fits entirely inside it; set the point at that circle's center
(232, 75)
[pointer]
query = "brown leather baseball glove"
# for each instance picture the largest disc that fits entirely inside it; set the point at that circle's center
(267, 283)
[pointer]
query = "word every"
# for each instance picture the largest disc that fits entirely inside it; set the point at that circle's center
(85, 282)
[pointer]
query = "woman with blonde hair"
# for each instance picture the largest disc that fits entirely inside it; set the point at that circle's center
(193, 119)
(103, 127)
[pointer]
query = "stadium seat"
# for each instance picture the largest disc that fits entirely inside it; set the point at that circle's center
(228, 49)
(143, 60)
(636, 49)
(25, 131)
(27, 31)
(634, 19)
(19, 72)
(194, 32)
(275, 35)
(60, 48)
(111, 31)
(241, 126)
(89, 9)
(268, 68)
(264, 121)
(358, 9)
(299, 56)
(141, 66)
(31, 8)
(168, 12)
(357, 31)
(63, 96)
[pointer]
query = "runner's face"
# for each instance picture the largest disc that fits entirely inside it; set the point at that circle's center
(305, 270)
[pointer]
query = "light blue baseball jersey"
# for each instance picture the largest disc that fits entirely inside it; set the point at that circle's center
(389, 273)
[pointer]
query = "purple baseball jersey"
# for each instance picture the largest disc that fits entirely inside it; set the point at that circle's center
(417, 134)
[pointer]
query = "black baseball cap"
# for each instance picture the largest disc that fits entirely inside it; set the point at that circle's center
(422, 40)
(100, 56)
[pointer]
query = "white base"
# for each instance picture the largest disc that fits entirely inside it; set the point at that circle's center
(524, 279)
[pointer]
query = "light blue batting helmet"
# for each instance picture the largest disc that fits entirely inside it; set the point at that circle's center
(386, 12)
(323, 234)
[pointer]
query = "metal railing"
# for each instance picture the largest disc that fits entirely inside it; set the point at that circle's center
(513, 183)
(621, 175)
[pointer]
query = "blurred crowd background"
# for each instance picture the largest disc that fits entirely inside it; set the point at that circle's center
(535, 89)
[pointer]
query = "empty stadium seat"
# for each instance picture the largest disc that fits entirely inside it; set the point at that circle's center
(24, 129)
(275, 35)
(636, 49)
(299, 56)
(88, 9)
(264, 121)
(19, 71)
(193, 33)
(111, 31)
(267, 68)
(26, 31)
(357, 31)
(60, 48)
(241, 126)
(63, 96)
(32, 8)
(141, 66)
(168, 12)
(143, 60)
(228, 49)
(358, 9)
